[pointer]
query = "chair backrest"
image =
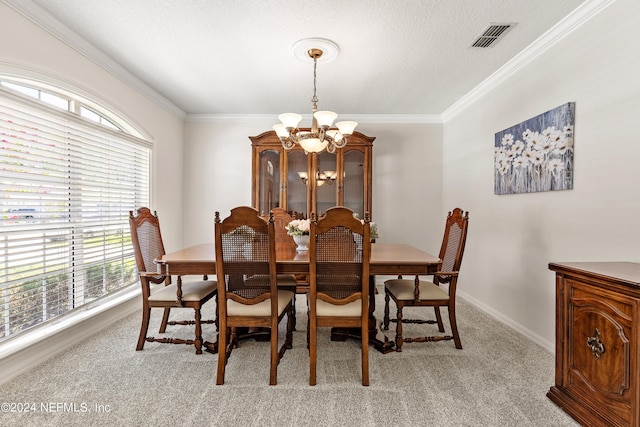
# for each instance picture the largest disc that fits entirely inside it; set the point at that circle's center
(284, 243)
(453, 242)
(245, 257)
(340, 249)
(147, 242)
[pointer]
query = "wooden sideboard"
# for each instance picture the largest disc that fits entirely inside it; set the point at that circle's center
(598, 342)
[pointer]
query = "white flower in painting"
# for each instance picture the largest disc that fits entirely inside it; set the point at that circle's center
(518, 146)
(550, 132)
(529, 154)
(520, 162)
(538, 157)
(503, 169)
(501, 161)
(555, 166)
(510, 155)
(568, 129)
(564, 145)
(507, 139)
(526, 135)
(536, 140)
(499, 151)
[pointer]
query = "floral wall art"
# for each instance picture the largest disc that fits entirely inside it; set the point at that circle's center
(537, 154)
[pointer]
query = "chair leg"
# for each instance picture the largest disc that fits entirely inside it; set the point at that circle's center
(365, 353)
(386, 310)
(222, 355)
(273, 370)
(198, 341)
(313, 348)
(146, 313)
(290, 327)
(293, 313)
(399, 339)
(454, 326)
(165, 320)
(439, 318)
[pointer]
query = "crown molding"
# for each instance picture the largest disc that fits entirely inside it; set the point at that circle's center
(47, 22)
(570, 23)
(273, 118)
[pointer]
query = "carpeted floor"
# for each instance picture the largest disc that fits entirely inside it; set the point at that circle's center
(499, 379)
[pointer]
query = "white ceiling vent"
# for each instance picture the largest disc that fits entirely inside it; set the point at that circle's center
(492, 34)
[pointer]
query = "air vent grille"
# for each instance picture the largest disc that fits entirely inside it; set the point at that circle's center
(491, 35)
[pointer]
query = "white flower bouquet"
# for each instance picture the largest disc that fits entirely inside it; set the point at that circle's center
(298, 227)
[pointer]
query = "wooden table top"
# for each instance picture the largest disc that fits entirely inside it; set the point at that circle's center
(386, 258)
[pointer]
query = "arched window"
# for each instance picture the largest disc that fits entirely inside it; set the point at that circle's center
(70, 172)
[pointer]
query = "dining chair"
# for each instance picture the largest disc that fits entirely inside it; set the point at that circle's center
(147, 246)
(249, 292)
(419, 293)
(339, 253)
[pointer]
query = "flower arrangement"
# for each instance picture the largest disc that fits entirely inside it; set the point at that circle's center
(373, 232)
(298, 227)
(373, 227)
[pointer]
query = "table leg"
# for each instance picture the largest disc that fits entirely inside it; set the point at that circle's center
(383, 345)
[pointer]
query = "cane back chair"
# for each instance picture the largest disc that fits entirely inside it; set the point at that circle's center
(147, 245)
(340, 248)
(248, 294)
(419, 293)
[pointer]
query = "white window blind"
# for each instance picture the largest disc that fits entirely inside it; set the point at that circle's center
(66, 188)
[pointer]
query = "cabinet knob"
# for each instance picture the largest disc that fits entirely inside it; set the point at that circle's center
(594, 343)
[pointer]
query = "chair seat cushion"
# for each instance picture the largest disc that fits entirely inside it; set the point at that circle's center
(403, 289)
(326, 309)
(191, 291)
(262, 308)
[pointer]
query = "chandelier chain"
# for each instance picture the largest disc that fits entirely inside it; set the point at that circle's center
(315, 98)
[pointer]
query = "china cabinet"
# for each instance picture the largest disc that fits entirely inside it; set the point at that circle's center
(313, 182)
(597, 378)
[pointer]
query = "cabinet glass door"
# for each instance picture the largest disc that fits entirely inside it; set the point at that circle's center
(269, 170)
(326, 185)
(354, 181)
(296, 187)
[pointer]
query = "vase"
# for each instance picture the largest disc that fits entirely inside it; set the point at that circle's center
(302, 242)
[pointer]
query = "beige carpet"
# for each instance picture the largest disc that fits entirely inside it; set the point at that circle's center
(499, 379)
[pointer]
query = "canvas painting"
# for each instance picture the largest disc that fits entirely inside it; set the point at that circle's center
(537, 154)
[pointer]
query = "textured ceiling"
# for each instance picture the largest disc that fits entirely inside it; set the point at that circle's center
(400, 57)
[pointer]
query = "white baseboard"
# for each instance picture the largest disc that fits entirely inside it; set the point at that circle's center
(24, 352)
(547, 345)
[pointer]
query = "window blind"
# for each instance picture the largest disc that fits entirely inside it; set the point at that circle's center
(66, 188)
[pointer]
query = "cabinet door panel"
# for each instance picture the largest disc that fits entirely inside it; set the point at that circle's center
(296, 188)
(354, 197)
(327, 191)
(600, 349)
(269, 172)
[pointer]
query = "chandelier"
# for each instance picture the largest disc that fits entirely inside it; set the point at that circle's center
(321, 136)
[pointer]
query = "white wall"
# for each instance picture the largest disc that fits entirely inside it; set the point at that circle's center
(512, 238)
(407, 177)
(28, 50)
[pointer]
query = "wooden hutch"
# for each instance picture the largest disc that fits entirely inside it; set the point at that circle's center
(339, 179)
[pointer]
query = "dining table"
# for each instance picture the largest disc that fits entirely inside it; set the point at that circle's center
(386, 259)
